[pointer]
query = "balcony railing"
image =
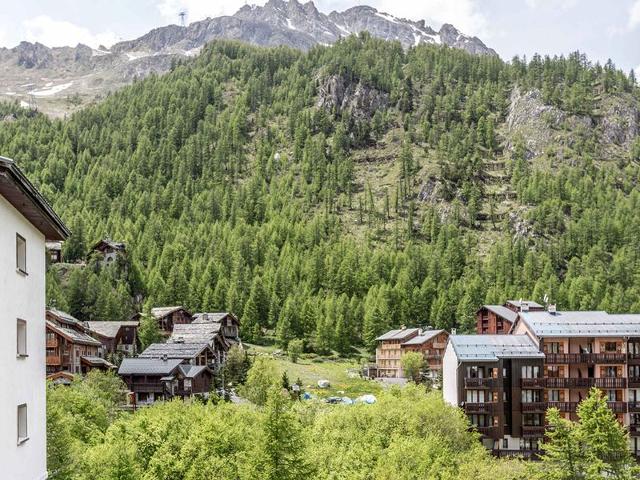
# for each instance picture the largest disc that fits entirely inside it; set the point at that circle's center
(534, 406)
(526, 454)
(532, 431)
(634, 382)
(614, 382)
(480, 382)
(484, 407)
(487, 431)
(53, 360)
(634, 407)
(532, 382)
(571, 358)
(52, 342)
(618, 407)
(563, 406)
(634, 430)
(607, 383)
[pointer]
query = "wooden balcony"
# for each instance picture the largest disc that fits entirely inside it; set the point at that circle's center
(525, 454)
(618, 407)
(634, 407)
(488, 431)
(633, 358)
(529, 407)
(563, 406)
(634, 430)
(147, 387)
(588, 358)
(483, 407)
(532, 382)
(634, 382)
(52, 342)
(614, 382)
(480, 382)
(606, 383)
(53, 360)
(529, 431)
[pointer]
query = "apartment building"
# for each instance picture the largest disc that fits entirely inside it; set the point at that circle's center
(27, 223)
(395, 343)
(498, 319)
(496, 380)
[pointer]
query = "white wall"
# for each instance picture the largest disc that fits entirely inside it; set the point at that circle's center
(450, 376)
(23, 379)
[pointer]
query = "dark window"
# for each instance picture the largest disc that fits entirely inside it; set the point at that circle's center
(23, 435)
(21, 254)
(21, 347)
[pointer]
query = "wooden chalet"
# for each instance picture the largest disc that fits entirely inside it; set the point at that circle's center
(200, 354)
(69, 348)
(115, 337)
(152, 379)
(209, 333)
(230, 325)
(498, 319)
(167, 317)
(431, 344)
(54, 252)
(109, 250)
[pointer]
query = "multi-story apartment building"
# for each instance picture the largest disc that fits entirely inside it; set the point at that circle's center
(26, 223)
(395, 343)
(498, 319)
(578, 351)
(496, 380)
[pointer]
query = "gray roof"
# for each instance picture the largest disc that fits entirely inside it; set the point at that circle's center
(148, 366)
(531, 303)
(74, 335)
(109, 329)
(174, 350)
(67, 317)
(93, 360)
(215, 317)
(582, 324)
(503, 312)
(160, 312)
(195, 332)
(400, 334)
(493, 347)
(424, 337)
(191, 371)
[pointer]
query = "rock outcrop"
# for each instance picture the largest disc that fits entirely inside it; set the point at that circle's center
(336, 94)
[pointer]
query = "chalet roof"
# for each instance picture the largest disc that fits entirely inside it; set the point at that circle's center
(107, 243)
(160, 312)
(96, 361)
(148, 366)
(174, 350)
(64, 378)
(109, 329)
(53, 245)
(16, 188)
(399, 334)
(192, 371)
(73, 336)
(581, 324)
(503, 312)
(519, 303)
(195, 332)
(493, 347)
(65, 317)
(213, 317)
(425, 336)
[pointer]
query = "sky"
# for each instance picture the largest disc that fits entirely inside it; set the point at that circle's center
(602, 29)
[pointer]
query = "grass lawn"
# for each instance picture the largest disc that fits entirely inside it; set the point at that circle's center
(310, 370)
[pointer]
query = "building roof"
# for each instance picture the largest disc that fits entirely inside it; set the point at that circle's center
(53, 245)
(148, 366)
(110, 329)
(160, 312)
(192, 371)
(425, 336)
(493, 347)
(195, 332)
(65, 317)
(96, 361)
(519, 303)
(174, 350)
(16, 188)
(73, 336)
(212, 317)
(399, 334)
(503, 312)
(104, 243)
(582, 324)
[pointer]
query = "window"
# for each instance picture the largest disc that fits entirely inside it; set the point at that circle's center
(611, 395)
(553, 347)
(21, 338)
(21, 254)
(505, 443)
(554, 395)
(530, 371)
(187, 384)
(22, 424)
(528, 444)
(610, 347)
(634, 371)
(532, 419)
(530, 396)
(474, 396)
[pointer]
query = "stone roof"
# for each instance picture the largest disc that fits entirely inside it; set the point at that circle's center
(493, 347)
(195, 332)
(109, 329)
(73, 335)
(148, 366)
(160, 312)
(65, 317)
(182, 351)
(96, 361)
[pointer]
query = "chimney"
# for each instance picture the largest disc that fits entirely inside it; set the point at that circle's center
(403, 327)
(552, 308)
(524, 306)
(453, 331)
(164, 357)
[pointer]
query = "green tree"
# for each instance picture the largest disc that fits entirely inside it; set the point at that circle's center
(149, 331)
(413, 366)
(260, 378)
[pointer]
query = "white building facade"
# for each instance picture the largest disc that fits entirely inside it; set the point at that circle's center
(26, 222)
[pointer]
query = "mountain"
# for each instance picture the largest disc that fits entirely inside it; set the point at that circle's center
(60, 80)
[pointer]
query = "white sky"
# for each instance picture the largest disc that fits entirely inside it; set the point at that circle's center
(601, 28)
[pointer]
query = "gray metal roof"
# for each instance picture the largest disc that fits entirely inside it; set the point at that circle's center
(424, 337)
(64, 316)
(531, 303)
(174, 350)
(399, 334)
(215, 317)
(493, 347)
(93, 360)
(148, 366)
(503, 312)
(109, 329)
(582, 324)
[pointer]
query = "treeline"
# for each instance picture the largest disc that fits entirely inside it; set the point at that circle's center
(233, 191)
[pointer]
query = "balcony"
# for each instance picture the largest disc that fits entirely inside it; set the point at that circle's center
(634, 430)
(525, 454)
(52, 342)
(532, 382)
(53, 360)
(529, 431)
(634, 407)
(484, 407)
(618, 407)
(487, 431)
(571, 358)
(633, 358)
(534, 407)
(563, 406)
(634, 382)
(606, 383)
(613, 382)
(480, 382)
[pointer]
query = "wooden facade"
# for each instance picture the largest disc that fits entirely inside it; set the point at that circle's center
(432, 345)
(167, 317)
(498, 319)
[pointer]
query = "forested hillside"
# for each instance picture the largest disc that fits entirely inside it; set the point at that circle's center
(333, 194)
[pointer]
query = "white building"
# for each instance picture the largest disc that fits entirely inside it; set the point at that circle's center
(26, 222)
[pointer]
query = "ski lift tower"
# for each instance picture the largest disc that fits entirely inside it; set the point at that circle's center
(183, 15)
